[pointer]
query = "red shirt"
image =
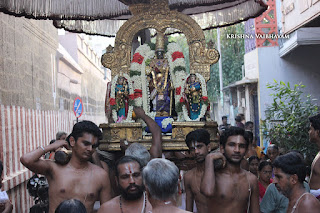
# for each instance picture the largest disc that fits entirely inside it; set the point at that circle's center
(262, 190)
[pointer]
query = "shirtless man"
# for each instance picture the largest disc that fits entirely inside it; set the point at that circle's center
(250, 152)
(133, 197)
(78, 179)
(314, 135)
(290, 172)
(198, 142)
(230, 189)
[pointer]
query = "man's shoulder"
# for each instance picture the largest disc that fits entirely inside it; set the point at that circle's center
(111, 205)
(309, 202)
(189, 174)
(251, 177)
(96, 169)
(316, 161)
(99, 172)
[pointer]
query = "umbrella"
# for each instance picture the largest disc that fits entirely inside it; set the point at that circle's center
(104, 17)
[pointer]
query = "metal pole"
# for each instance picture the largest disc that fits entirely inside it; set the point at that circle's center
(220, 67)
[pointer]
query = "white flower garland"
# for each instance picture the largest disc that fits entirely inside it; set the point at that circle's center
(180, 79)
(174, 47)
(112, 95)
(204, 93)
(140, 82)
(180, 75)
(165, 122)
(137, 84)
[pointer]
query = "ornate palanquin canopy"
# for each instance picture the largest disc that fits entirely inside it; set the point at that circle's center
(104, 17)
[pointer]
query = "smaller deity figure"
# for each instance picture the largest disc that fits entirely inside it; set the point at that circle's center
(193, 92)
(122, 92)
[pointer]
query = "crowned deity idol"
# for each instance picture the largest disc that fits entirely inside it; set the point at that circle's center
(160, 85)
(193, 92)
(121, 94)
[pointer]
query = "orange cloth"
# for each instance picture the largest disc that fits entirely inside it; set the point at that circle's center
(258, 150)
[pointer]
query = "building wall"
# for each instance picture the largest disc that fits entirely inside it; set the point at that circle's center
(33, 81)
(27, 47)
(93, 84)
(300, 66)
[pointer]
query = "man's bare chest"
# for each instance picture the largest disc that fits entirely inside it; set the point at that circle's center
(233, 189)
(81, 185)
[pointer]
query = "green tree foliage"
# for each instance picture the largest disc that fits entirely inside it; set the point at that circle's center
(232, 52)
(287, 122)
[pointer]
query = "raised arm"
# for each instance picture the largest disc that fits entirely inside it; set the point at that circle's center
(156, 146)
(208, 181)
(32, 159)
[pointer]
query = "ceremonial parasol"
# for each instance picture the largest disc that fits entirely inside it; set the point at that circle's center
(104, 17)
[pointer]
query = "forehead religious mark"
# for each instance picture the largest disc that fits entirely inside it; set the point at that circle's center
(129, 168)
(194, 144)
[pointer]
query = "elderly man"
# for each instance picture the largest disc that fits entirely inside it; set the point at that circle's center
(290, 172)
(160, 177)
(129, 180)
(78, 179)
(272, 152)
(230, 189)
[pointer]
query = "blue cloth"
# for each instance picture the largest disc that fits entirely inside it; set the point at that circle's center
(195, 105)
(168, 129)
(275, 202)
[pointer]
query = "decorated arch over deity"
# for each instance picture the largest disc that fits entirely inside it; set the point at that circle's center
(156, 77)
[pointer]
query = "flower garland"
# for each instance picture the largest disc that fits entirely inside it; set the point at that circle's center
(142, 57)
(165, 122)
(137, 71)
(204, 99)
(177, 71)
(176, 58)
(113, 102)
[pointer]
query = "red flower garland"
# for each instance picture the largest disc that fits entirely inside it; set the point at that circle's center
(131, 96)
(137, 93)
(181, 100)
(177, 55)
(137, 58)
(205, 98)
(178, 90)
(112, 101)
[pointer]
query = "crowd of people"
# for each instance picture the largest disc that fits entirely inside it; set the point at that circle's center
(236, 177)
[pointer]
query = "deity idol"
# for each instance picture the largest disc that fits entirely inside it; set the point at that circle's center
(121, 96)
(193, 92)
(160, 85)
